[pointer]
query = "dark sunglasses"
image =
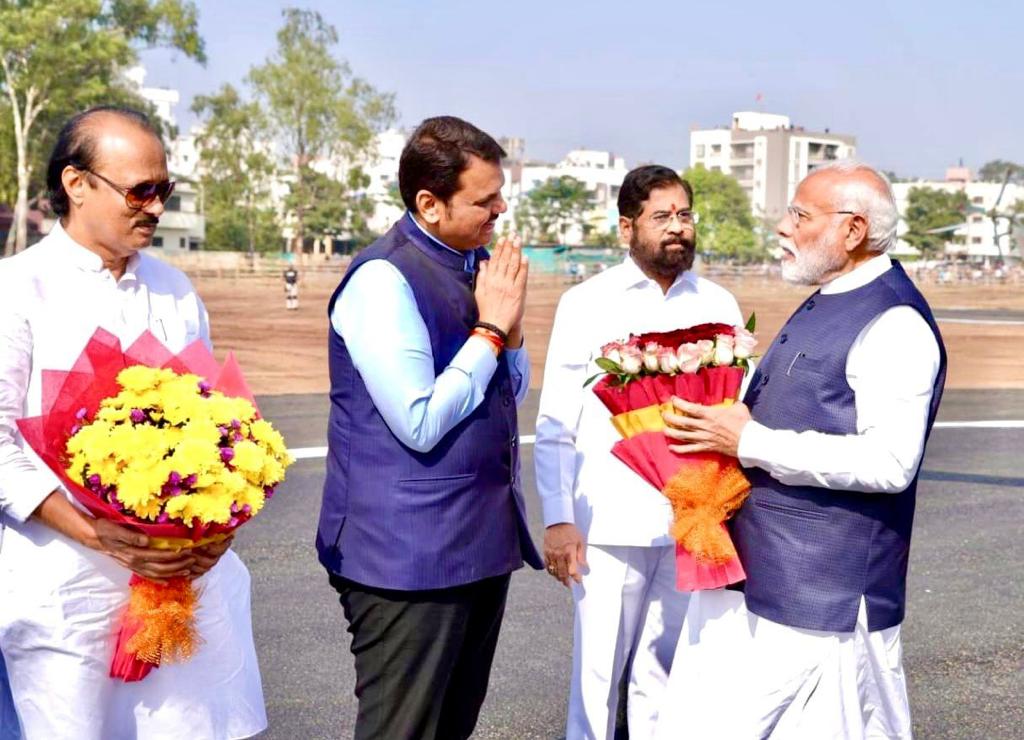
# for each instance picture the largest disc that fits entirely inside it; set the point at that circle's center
(139, 196)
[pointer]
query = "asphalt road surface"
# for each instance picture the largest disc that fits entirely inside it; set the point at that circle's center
(963, 638)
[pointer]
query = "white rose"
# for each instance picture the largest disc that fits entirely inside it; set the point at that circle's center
(632, 360)
(667, 362)
(723, 350)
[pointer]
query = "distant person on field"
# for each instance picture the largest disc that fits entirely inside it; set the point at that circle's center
(291, 288)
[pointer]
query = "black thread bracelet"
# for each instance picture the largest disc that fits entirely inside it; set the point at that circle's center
(503, 336)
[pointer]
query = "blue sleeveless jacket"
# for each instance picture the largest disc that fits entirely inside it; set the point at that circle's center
(811, 553)
(400, 519)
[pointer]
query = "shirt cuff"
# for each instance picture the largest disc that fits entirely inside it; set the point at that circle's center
(476, 359)
(558, 510)
(754, 445)
(33, 488)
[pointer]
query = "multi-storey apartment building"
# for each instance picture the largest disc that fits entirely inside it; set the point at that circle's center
(767, 155)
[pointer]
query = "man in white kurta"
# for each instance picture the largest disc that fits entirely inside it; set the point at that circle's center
(607, 529)
(739, 674)
(62, 592)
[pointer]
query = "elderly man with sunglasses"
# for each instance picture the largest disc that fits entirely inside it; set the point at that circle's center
(64, 575)
(831, 434)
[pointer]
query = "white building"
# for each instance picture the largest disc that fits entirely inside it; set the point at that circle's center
(601, 172)
(976, 235)
(767, 155)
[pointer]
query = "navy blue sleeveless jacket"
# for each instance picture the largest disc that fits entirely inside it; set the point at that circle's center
(400, 519)
(811, 553)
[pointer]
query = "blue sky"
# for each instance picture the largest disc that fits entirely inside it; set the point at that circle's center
(921, 84)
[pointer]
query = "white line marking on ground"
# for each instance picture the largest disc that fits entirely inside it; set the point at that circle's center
(991, 424)
(308, 453)
(993, 322)
(316, 453)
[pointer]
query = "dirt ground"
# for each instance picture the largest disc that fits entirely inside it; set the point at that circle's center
(286, 351)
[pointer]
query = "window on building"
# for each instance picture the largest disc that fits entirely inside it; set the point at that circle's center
(977, 199)
(181, 242)
(173, 203)
(700, 150)
(158, 241)
(716, 148)
(975, 240)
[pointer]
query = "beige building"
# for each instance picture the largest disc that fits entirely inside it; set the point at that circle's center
(767, 155)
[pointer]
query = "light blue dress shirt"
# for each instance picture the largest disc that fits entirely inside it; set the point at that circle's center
(393, 356)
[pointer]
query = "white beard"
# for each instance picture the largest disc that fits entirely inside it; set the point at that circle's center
(811, 264)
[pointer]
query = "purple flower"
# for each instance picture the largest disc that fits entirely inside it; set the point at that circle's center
(268, 491)
(223, 431)
(81, 413)
(204, 388)
(247, 509)
(227, 454)
(174, 478)
(163, 518)
(191, 480)
(238, 437)
(236, 424)
(76, 429)
(94, 480)
(233, 522)
(234, 508)
(138, 416)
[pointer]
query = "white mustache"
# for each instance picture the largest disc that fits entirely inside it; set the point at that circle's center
(789, 247)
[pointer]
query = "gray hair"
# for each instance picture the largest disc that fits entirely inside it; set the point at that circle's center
(874, 201)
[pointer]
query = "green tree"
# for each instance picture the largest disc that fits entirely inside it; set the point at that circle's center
(549, 210)
(57, 56)
(931, 216)
(995, 171)
(598, 238)
(334, 209)
(236, 173)
(317, 109)
(726, 228)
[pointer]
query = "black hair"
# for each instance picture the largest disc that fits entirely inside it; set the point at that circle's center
(639, 182)
(437, 153)
(75, 147)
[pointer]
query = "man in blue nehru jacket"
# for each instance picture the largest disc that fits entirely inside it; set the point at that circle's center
(423, 518)
(831, 434)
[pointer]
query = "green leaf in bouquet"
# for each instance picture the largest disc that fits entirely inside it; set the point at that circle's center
(609, 366)
(751, 322)
(592, 378)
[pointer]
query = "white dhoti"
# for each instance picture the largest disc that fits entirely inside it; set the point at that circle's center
(59, 610)
(627, 605)
(737, 675)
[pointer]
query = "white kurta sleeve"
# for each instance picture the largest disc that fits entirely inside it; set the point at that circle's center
(558, 418)
(23, 486)
(891, 368)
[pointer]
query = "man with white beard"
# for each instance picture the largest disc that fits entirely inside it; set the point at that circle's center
(831, 434)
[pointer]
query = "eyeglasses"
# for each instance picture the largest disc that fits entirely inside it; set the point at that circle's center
(142, 195)
(798, 216)
(661, 219)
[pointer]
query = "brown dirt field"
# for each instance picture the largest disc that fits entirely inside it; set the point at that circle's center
(286, 352)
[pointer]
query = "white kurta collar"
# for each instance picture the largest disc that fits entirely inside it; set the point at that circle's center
(633, 277)
(858, 277)
(84, 258)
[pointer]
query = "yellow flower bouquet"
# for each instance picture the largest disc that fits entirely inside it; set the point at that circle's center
(169, 445)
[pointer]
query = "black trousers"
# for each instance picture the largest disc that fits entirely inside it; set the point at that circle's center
(423, 658)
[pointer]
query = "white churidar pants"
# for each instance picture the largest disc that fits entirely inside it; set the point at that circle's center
(741, 676)
(627, 605)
